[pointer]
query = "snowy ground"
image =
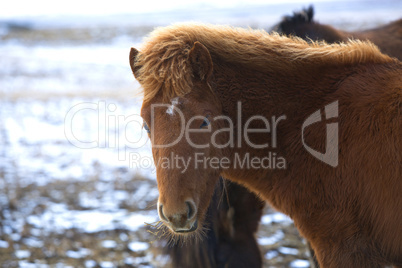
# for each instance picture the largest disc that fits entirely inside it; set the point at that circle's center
(77, 183)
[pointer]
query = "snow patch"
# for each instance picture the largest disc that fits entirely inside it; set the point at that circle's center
(138, 246)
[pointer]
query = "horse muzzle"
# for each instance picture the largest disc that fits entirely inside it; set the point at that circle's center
(182, 222)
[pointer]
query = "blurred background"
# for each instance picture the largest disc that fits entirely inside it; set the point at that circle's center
(77, 181)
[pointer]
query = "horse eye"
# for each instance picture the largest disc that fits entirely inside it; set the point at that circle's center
(205, 123)
(145, 126)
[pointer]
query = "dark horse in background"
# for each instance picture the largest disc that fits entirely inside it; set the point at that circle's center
(387, 37)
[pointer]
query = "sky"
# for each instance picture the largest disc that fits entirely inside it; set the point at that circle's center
(27, 8)
(345, 14)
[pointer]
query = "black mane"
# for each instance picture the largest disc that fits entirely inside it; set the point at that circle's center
(301, 17)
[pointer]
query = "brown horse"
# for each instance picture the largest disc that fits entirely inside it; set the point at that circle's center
(232, 220)
(388, 37)
(245, 105)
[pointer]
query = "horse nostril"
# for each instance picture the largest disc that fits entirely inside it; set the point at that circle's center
(191, 209)
(161, 215)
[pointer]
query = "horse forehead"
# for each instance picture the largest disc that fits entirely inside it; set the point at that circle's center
(148, 109)
(170, 109)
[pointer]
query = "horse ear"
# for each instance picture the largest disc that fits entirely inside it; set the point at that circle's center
(201, 61)
(310, 13)
(133, 54)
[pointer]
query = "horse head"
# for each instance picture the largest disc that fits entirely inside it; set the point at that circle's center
(302, 24)
(181, 128)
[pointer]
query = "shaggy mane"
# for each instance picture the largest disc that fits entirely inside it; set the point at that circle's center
(163, 60)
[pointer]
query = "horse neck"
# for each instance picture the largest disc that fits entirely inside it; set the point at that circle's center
(276, 92)
(294, 94)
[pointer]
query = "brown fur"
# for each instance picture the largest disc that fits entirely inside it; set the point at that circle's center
(351, 214)
(387, 37)
(164, 58)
